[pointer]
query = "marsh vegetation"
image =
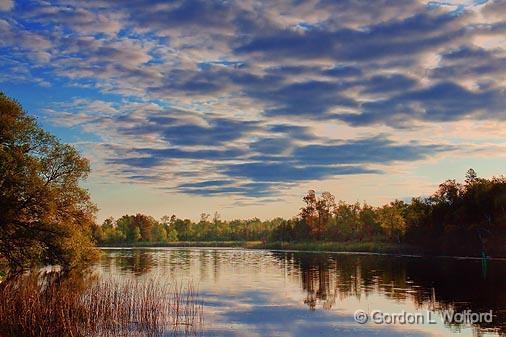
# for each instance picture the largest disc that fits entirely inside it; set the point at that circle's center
(53, 305)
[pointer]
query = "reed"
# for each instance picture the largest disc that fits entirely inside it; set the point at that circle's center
(51, 306)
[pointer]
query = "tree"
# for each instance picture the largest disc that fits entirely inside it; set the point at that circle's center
(145, 223)
(172, 235)
(183, 229)
(168, 223)
(368, 221)
(309, 213)
(391, 219)
(325, 207)
(318, 212)
(203, 228)
(471, 176)
(159, 233)
(136, 234)
(45, 216)
(124, 225)
(347, 221)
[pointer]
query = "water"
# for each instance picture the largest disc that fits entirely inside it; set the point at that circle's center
(263, 293)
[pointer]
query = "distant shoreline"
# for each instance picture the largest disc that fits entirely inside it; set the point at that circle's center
(381, 248)
(373, 248)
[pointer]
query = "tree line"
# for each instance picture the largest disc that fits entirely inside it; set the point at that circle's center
(145, 228)
(467, 217)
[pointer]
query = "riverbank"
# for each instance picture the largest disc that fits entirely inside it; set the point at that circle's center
(363, 247)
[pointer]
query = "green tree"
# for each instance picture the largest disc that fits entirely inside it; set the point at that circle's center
(159, 233)
(136, 234)
(125, 226)
(172, 235)
(183, 229)
(45, 216)
(391, 219)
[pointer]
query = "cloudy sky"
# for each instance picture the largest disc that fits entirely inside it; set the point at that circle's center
(240, 107)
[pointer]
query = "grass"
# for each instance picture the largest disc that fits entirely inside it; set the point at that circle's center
(351, 246)
(33, 306)
(347, 246)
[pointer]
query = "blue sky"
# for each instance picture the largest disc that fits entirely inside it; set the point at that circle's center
(240, 107)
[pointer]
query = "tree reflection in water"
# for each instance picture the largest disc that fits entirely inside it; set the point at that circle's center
(136, 261)
(435, 283)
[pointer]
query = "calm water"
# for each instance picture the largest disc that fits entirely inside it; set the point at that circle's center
(263, 293)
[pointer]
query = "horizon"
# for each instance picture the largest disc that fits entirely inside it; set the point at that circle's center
(241, 108)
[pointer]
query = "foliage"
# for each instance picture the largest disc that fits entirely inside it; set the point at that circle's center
(45, 216)
(392, 221)
(469, 217)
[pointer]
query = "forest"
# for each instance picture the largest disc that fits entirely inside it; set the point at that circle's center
(466, 217)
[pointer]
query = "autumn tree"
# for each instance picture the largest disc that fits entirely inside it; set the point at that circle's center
(45, 216)
(309, 213)
(325, 207)
(146, 224)
(317, 212)
(391, 219)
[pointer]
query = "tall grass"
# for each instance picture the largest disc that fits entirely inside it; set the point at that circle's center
(346, 246)
(33, 306)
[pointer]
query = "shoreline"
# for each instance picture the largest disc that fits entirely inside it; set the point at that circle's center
(359, 248)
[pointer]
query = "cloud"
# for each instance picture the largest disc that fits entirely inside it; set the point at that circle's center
(287, 172)
(138, 162)
(163, 15)
(271, 145)
(156, 157)
(218, 187)
(214, 132)
(214, 98)
(318, 161)
(312, 99)
(420, 33)
(218, 132)
(82, 20)
(495, 9)
(444, 101)
(472, 63)
(371, 150)
(207, 183)
(6, 5)
(343, 71)
(293, 131)
(379, 84)
(18, 39)
(280, 161)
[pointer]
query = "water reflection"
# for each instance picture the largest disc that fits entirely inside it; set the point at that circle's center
(138, 262)
(244, 288)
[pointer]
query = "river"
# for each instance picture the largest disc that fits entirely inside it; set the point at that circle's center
(266, 293)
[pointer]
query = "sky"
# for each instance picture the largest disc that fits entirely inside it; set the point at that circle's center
(240, 107)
